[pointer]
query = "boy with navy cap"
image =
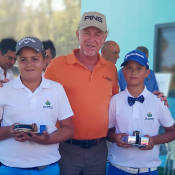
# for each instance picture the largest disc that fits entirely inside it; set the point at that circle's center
(28, 99)
(137, 109)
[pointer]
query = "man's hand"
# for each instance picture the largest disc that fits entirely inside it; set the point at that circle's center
(163, 98)
(3, 81)
(41, 139)
(151, 144)
(121, 143)
(18, 136)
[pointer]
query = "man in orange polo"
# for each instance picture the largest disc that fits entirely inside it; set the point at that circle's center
(89, 81)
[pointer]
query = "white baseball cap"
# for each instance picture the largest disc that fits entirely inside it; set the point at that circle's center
(93, 19)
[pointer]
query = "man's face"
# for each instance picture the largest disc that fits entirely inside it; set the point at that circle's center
(112, 53)
(7, 60)
(48, 57)
(90, 40)
(135, 73)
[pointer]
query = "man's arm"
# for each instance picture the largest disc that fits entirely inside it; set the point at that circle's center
(163, 98)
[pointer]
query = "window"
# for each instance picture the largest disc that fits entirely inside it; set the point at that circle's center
(164, 51)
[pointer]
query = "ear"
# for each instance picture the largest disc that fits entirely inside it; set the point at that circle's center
(78, 34)
(123, 69)
(147, 72)
(104, 38)
(44, 63)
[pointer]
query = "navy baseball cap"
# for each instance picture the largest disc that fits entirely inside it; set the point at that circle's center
(138, 56)
(31, 42)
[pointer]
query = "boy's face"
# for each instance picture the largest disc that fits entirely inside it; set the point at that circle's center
(30, 65)
(135, 73)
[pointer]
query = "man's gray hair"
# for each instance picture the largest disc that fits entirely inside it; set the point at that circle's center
(143, 49)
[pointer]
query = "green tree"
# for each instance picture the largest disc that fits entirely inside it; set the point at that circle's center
(18, 20)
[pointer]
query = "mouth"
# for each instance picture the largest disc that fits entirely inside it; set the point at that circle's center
(30, 70)
(133, 78)
(90, 46)
(10, 65)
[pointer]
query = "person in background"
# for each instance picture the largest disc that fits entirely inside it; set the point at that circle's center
(7, 59)
(50, 51)
(110, 51)
(150, 81)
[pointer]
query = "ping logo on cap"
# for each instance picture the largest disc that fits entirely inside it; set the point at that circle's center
(26, 40)
(99, 19)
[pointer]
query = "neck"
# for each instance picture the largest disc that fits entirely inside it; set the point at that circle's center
(32, 86)
(87, 61)
(5, 73)
(135, 91)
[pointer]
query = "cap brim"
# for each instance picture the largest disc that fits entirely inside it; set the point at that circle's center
(132, 59)
(37, 50)
(92, 25)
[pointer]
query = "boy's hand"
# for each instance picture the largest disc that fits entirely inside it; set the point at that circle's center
(41, 139)
(151, 144)
(163, 98)
(3, 81)
(121, 143)
(18, 136)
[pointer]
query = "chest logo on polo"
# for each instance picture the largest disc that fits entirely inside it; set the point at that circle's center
(48, 105)
(106, 78)
(149, 116)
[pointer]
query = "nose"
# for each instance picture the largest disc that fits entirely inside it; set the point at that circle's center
(91, 38)
(13, 61)
(134, 71)
(28, 63)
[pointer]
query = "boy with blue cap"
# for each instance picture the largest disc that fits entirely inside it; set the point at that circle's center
(137, 109)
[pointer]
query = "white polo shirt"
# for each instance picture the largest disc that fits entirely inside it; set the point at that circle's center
(9, 75)
(145, 117)
(45, 106)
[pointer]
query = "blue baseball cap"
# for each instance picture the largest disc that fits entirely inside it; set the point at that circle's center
(31, 42)
(138, 56)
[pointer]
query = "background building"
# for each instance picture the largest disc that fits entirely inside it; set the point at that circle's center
(133, 23)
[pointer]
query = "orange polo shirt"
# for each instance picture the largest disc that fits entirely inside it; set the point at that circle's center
(88, 92)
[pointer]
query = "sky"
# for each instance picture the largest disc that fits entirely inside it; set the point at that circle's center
(57, 5)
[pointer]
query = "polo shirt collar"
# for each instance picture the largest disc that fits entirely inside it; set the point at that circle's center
(71, 58)
(127, 94)
(2, 73)
(17, 84)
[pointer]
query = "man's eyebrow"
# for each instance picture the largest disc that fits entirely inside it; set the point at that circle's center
(85, 30)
